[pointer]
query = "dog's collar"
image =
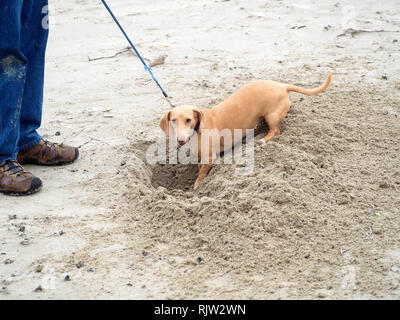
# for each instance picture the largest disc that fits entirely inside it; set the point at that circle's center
(196, 128)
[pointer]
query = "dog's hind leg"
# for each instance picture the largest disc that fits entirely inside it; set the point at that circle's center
(273, 131)
(274, 120)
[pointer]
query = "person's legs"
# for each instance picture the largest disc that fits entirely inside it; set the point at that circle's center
(32, 148)
(14, 179)
(13, 65)
(34, 34)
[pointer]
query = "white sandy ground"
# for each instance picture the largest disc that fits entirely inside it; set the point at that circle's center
(104, 106)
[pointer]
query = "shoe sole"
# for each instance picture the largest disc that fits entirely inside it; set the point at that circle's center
(20, 194)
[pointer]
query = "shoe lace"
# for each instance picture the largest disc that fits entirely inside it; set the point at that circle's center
(13, 167)
(51, 144)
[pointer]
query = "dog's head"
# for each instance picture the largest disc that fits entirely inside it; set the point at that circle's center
(182, 123)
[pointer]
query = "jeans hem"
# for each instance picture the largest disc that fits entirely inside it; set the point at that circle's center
(31, 144)
(12, 157)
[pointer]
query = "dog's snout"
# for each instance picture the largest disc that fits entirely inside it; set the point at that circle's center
(181, 142)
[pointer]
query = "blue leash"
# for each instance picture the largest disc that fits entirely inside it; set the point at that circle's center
(138, 54)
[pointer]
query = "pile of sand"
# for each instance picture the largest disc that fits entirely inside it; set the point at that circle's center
(323, 199)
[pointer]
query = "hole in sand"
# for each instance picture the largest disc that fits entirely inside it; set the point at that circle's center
(182, 176)
(174, 176)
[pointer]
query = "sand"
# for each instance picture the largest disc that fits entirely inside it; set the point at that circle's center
(318, 218)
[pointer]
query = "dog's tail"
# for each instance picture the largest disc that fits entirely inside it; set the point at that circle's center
(310, 91)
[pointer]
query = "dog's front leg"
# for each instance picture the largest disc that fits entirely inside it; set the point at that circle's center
(204, 169)
(207, 155)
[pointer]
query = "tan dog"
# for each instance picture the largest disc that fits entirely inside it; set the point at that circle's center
(243, 110)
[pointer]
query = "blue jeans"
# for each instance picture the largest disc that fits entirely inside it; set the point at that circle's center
(23, 39)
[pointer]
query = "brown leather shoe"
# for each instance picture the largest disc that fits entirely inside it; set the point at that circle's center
(48, 154)
(16, 181)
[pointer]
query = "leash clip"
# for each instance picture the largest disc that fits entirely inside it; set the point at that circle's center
(171, 104)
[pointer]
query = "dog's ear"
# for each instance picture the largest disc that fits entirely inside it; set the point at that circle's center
(164, 123)
(199, 114)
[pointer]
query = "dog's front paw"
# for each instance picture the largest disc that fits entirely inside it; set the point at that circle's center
(261, 141)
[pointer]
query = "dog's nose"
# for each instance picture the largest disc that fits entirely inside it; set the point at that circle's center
(181, 142)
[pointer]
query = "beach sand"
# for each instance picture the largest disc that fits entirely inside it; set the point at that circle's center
(318, 218)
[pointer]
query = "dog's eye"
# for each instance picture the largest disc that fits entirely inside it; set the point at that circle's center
(188, 120)
(173, 121)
